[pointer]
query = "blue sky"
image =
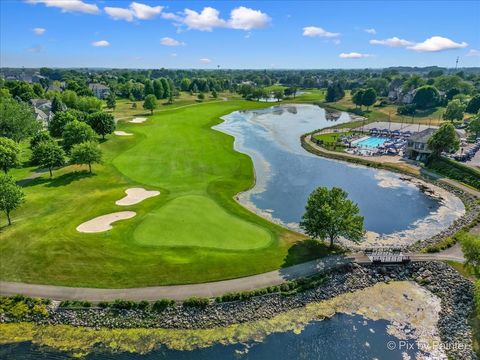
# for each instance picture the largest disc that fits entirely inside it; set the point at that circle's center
(239, 34)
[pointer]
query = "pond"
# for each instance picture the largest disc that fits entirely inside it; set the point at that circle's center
(396, 211)
(340, 337)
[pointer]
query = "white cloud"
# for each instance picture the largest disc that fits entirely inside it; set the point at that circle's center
(134, 11)
(168, 41)
(39, 30)
(241, 18)
(473, 52)
(68, 5)
(336, 41)
(145, 12)
(173, 54)
(203, 21)
(100, 43)
(314, 31)
(244, 18)
(392, 42)
(437, 43)
(117, 13)
(205, 61)
(371, 31)
(353, 55)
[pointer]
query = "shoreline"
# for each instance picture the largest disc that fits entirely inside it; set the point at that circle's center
(454, 292)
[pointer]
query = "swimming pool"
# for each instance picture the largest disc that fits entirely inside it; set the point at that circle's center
(371, 142)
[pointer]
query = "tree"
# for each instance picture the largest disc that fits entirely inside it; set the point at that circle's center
(471, 250)
(334, 92)
(474, 126)
(214, 94)
(473, 105)
(77, 132)
(357, 97)
(185, 84)
(111, 101)
(57, 105)
(279, 94)
(426, 97)
(11, 195)
(454, 111)
(380, 85)
(41, 136)
(148, 89)
(201, 96)
(369, 97)
(150, 103)
(89, 104)
(56, 126)
(16, 120)
(158, 89)
(70, 98)
(444, 139)
(329, 214)
(102, 123)
(9, 154)
(167, 89)
(87, 153)
(48, 154)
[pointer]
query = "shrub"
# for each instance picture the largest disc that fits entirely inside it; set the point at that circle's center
(162, 304)
(456, 171)
(75, 304)
(196, 302)
(123, 305)
(477, 297)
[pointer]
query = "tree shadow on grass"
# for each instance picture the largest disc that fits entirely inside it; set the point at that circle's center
(307, 250)
(62, 180)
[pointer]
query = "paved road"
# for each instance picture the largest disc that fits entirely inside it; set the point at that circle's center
(181, 292)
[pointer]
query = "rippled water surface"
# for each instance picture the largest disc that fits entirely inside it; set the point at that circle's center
(340, 338)
(286, 174)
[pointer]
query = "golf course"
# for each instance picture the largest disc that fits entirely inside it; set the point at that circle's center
(193, 231)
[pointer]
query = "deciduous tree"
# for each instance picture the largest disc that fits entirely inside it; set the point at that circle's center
(102, 123)
(444, 139)
(329, 214)
(9, 154)
(454, 111)
(48, 154)
(86, 153)
(77, 132)
(150, 103)
(11, 195)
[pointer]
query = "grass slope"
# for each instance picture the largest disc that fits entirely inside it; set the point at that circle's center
(193, 232)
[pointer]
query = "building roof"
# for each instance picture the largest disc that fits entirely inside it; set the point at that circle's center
(423, 135)
(98, 86)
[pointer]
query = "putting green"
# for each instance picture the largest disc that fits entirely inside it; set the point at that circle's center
(194, 220)
(194, 231)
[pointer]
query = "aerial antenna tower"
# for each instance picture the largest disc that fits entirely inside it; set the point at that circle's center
(456, 63)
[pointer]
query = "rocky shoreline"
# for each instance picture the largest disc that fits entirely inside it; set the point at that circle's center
(455, 292)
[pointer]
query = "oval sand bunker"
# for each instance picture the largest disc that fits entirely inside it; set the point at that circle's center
(103, 223)
(136, 195)
(122, 133)
(138, 120)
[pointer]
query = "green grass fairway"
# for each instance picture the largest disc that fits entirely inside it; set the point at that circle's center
(193, 232)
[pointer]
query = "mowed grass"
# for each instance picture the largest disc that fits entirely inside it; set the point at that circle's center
(193, 232)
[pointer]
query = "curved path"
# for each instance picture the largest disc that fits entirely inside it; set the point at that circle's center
(181, 292)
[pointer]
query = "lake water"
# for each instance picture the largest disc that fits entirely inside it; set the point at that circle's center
(396, 212)
(341, 337)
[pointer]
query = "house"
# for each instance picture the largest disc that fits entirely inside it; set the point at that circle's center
(417, 148)
(99, 90)
(395, 90)
(43, 110)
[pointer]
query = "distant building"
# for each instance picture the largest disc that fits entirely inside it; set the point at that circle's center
(99, 90)
(43, 110)
(417, 148)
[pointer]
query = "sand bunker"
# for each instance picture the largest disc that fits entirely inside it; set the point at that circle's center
(138, 120)
(136, 195)
(122, 133)
(103, 223)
